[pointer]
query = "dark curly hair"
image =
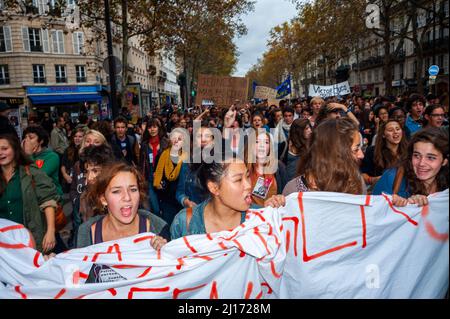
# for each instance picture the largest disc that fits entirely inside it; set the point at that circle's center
(41, 133)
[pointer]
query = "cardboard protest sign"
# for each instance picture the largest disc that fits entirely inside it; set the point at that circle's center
(265, 93)
(222, 90)
(329, 90)
(320, 245)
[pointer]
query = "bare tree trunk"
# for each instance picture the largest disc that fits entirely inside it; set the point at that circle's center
(419, 50)
(125, 49)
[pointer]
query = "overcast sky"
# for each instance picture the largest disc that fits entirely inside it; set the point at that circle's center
(267, 14)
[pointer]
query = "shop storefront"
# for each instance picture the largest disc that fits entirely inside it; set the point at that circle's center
(71, 99)
(17, 114)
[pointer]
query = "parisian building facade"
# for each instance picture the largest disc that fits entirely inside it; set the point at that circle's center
(54, 65)
(363, 68)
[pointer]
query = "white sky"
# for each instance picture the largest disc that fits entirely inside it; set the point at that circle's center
(267, 14)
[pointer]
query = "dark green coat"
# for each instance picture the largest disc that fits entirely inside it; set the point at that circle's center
(35, 199)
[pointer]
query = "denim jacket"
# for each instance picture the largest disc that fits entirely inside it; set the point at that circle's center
(189, 186)
(196, 225)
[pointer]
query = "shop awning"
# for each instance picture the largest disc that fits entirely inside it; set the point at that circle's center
(64, 98)
(12, 100)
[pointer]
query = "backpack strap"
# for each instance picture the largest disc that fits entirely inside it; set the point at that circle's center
(188, 217)
(398, 180)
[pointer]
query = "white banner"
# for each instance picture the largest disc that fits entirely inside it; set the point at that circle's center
(321, 245)
(265, 93)
(329, 90)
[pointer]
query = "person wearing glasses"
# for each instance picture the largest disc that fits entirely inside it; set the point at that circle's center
(434, 116)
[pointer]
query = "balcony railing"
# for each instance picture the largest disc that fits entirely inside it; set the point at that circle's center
(437, 44)
(370, 63)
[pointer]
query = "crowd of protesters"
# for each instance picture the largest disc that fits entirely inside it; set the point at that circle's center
(156, 174)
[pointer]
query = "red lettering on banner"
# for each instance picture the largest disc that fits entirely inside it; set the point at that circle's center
(145, 273)
(307, 258)
(433, 233)
(259, 215)
(259, 295)
(17, 289)
(158, 254)
(62, 292)
(367, 200)
(180, 263)
(248, 292)
(363, 218)
(125, 266)
(222, 245)
(170, 274)
(12, 246)
(429, 227)
(425, 211)
(35, 259)
(214, 294)
(112, 291)
(12, 227)
(242, 253)
(230, 238)
(189, 246)
(85, 258)
(257, 233)
(80, 297)
(272, 234)
(77, 275)
(273, 269)
(209, 236)
(410, 220)
(135, 289)
(137, 240)
(288, 240)
(269, 292)
(296, 222)
(177, 292)
(207, 258)
(109, 251)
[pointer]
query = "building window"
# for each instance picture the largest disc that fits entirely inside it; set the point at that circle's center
(5, 39)
(58, 41)
(60, 71)
(4, 75)
(34, 37)
(78, 43)
(80, 71)
(38, 73)
(40, 5)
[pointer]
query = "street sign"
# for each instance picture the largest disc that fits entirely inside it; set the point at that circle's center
(117, 64)
(433, 70)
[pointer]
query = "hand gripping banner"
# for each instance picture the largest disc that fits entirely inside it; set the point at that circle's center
(320, 245)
